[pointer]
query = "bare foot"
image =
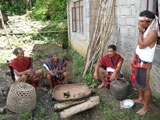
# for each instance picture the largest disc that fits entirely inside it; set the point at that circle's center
(143, 111)
(50, 91)
(100, 86)
(43, 89)
(138, 101)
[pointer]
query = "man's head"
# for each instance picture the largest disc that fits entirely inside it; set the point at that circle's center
(145, 18)
(112, 50)
(19, 53)
(54, 56)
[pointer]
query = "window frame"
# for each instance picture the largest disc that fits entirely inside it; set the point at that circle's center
(78, 27)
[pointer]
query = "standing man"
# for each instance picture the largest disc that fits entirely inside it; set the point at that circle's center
(108, 68)
(142, 61)
(56, 70)
(22, 70)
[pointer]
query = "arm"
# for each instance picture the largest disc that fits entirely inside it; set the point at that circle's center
(96, 71)
(61, 71)
(149, 40)
(117, 70)
(26, 72)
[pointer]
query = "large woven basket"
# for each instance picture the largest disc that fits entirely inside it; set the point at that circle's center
(76, 91)
(21, 97)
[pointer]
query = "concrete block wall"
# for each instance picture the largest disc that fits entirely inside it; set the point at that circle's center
(126, 19)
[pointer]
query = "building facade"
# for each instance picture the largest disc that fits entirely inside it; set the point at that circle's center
(80, 13)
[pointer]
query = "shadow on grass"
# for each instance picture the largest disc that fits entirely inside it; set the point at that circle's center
(54, 32)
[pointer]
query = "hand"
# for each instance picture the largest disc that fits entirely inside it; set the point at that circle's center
(28, 72)
(33, 71)
(140, 27)
(95, 76)
(51, 73)
(55, 73)
(113, 76)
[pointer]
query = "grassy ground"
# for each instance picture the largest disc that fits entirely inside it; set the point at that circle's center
(109, 107)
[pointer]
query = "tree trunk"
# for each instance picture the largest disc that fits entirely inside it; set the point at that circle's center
(90, 103)
(28, 3)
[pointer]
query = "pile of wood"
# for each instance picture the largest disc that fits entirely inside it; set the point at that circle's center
(70, 108)
(100, 32)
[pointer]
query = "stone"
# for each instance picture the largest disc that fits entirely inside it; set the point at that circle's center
(2, 110)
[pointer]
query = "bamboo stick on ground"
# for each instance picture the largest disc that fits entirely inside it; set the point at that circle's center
(90, 103)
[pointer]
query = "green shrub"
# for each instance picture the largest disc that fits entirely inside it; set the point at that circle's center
(14, 8)
(78, 63)
(50, 10)
(36, 56)
(90, 81)
(57, 33)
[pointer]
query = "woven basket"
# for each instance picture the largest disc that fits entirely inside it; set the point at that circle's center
(21, 97)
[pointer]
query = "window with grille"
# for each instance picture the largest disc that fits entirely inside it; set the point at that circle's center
(77, 17)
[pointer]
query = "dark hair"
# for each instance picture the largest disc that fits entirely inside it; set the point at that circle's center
(16, 50)
(148, 14)
(53, 53)
(112, 47)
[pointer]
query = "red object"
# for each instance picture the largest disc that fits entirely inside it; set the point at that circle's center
(107, 61)
(147, 4)
(136, 63)
(108, 82)
(58, 82)
(21, 66)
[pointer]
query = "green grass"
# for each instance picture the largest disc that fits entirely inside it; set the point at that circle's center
(40, 114)
(26, 115)
(36, 55)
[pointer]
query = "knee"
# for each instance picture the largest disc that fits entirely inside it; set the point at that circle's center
(102, 70)
(24, 77)
(147, 88)
(40, 71)
(48, 76)
(65, 74)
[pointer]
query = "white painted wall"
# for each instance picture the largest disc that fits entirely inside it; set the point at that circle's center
(79, 41)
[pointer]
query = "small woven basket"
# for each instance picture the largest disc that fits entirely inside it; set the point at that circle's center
(21, 97)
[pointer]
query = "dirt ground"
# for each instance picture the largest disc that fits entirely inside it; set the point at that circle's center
(108, 109)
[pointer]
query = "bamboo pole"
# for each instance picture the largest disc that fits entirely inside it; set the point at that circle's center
(101, 34)
(1, 17)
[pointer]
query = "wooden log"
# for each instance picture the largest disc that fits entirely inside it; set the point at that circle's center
(90, 103)
(63, 105)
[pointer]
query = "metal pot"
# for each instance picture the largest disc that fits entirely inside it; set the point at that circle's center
(120, 88)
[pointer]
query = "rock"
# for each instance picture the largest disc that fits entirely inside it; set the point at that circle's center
(1, 91)
(2, 110)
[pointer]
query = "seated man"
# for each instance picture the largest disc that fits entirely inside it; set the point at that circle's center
(22, 70)
(56, 70)
(108, 68)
